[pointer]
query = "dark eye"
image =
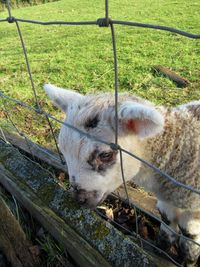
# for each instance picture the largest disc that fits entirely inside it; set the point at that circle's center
(92, 123)
(106, 156)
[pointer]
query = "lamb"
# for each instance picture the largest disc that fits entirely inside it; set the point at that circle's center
(166, 137)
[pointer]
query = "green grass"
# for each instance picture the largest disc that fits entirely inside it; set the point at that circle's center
(81, 57)
(21, 3)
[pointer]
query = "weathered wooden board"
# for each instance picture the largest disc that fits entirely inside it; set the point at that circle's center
(17, 250)
(78, 248)
(90, 240)
(180, 81)
(36, 150)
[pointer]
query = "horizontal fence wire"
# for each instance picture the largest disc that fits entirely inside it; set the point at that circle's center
(101, 22)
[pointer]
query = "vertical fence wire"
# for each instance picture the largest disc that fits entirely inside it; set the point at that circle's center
(16, 128)
(115, 81)
(3, 135)
(127, 196)
(55, 141)
(115, 63)
(8, 6)
(107, 11)
(28, 65)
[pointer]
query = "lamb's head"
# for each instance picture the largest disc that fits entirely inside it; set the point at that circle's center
(94, 167)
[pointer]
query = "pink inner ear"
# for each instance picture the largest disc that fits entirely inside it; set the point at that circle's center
(135, 125)
(131, 125)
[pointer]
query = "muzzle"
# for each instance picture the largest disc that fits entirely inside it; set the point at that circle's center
(86, 198)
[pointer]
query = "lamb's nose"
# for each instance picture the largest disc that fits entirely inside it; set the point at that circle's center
(80, 196)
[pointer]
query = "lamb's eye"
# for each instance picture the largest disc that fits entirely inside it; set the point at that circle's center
(106, 156)
(92, 123)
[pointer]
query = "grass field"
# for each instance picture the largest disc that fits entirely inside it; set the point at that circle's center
(81, 58)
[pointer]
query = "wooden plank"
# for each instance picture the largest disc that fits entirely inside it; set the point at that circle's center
(83, 254)
(91, 240)
(36, 150)
(180, 81)
(17, 250)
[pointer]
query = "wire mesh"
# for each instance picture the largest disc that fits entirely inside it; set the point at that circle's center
(101, 22)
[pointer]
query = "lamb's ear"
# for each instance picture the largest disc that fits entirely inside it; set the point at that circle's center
(61, 97)
(140, 119)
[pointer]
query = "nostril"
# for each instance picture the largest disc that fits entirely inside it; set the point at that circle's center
(82, 201)
(73, 178)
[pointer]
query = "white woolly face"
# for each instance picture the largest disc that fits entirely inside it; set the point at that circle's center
(94, 168)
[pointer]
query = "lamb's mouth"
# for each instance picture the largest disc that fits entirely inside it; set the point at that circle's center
(103, 198)
(93, 203)
(88, 199)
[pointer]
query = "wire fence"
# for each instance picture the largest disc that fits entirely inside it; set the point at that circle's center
(101, 22)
